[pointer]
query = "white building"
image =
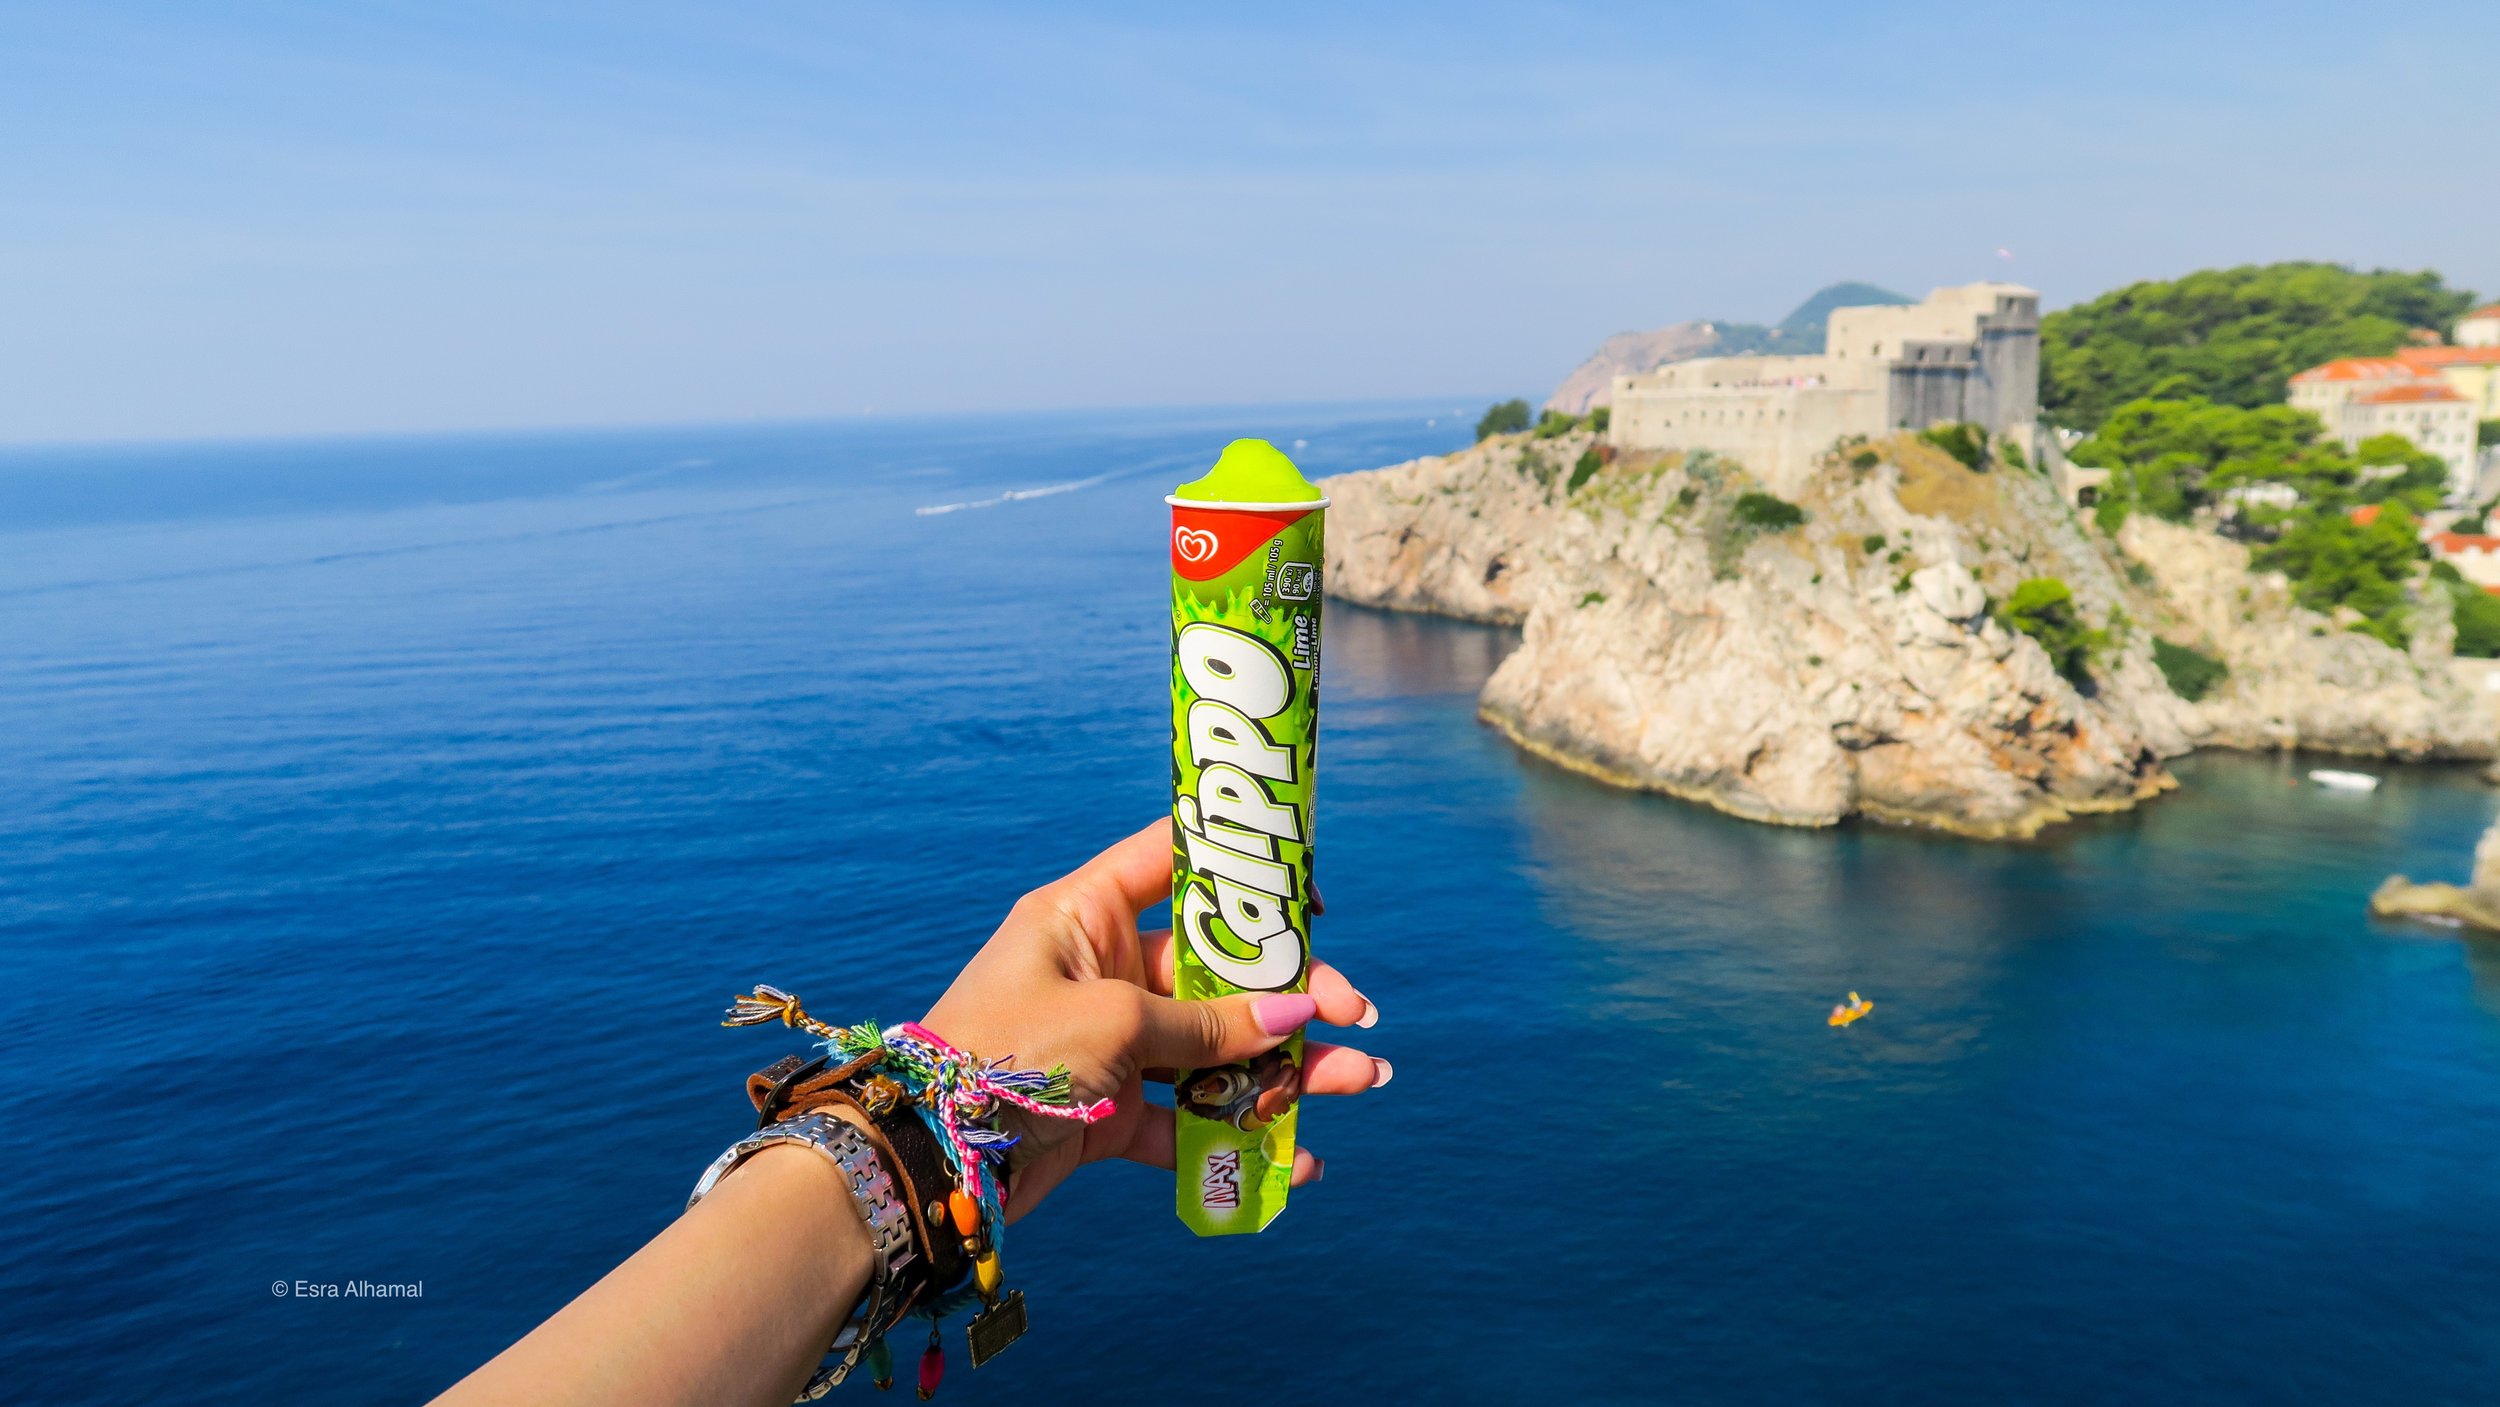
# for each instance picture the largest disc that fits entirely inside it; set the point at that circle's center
(2358, 397)
(2480, 328)
(1965, 354)
(2476, 556)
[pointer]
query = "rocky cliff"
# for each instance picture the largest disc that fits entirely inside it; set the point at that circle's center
(2297, 678)
(1681, 637)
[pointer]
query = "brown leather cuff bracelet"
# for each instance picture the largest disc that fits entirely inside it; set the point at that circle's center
(910, 1150)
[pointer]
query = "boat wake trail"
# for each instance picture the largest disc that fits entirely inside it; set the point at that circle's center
(1013, 496)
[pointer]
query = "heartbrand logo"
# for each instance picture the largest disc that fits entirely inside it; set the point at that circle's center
(1193, 544)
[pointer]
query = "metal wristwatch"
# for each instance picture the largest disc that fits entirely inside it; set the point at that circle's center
(880, 1205)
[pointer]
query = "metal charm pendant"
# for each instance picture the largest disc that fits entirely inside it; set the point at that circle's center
(994, 1328)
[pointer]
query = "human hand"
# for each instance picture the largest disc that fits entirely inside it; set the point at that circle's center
(1068, 980)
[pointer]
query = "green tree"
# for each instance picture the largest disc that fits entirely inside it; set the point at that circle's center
(2043, 608)
(1965, 442)
(2487, 433)
(2475, 611)
(1600, 417)
(2190, 673)
(2478, 622)
(1768, 512)
(2333, 561)
(2109, 512)
(2234, 336)
(2420, 479)
(2171, 457)
(1507, 418)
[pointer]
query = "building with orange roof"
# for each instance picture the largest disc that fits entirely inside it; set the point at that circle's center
(2472, 372)
(2323, 390)
(2360, 397)
(2476, 556)
(2480, 328)
(2355, 371)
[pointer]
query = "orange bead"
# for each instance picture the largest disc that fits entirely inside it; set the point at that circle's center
(965, 1210)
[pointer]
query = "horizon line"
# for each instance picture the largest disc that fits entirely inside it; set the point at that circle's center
(280, 438)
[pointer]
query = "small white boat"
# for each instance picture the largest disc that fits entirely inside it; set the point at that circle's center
(2344, 781)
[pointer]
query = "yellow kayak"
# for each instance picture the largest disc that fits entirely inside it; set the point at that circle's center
(1850, 1010)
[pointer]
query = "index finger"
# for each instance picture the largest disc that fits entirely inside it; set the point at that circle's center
(1137, 871)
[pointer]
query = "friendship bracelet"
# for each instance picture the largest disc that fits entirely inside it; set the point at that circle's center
(957, 1096)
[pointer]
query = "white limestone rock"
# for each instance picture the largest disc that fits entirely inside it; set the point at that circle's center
(2297, 678)
(1805, 675)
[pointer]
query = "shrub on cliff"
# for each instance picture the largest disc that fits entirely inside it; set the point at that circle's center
(1732, 525)
(2190, 673)
(2233, 336)
(1964, 441)
(2333, 561)
(1534, 464)
(2043, 608)
(2475, 611)
(1602, 416)
(2478, 623)
(1768, 512)
(1508, 418)
(1583, 469)
(1554, 422)
(2109, 512)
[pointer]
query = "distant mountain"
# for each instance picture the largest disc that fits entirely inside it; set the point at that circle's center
(1630, 353)
(1625, 354)
(1815, 311)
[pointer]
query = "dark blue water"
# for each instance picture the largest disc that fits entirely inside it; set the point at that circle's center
(386, 822)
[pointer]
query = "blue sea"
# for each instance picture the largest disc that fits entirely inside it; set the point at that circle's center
(386, 823)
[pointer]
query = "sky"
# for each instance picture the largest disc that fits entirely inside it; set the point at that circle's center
(238, 220)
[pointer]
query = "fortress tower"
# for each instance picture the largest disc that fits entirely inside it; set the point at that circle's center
(1964, 354)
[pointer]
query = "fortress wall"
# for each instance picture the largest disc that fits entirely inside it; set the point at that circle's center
(1775, 432)
(1970, 353)
(1933, 381)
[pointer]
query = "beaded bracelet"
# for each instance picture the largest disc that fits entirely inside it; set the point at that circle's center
(957, 1096)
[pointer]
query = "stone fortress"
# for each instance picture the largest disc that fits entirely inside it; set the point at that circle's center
(1964, 354)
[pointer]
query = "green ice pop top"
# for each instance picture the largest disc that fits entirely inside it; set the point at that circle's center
(1251, 471)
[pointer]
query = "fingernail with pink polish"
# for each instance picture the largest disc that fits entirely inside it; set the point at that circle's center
(1382, 1072)
(1370, 1016)
(1284, 1013)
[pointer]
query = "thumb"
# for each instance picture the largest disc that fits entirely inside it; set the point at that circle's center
(1192, 1035)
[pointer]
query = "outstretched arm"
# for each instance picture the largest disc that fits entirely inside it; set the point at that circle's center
(733, 1303)
(737, 1301)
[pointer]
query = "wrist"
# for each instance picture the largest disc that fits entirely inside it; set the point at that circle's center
(806, 1198)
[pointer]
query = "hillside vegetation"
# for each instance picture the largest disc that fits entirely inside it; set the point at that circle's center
(2182, 384)
(2232, 336)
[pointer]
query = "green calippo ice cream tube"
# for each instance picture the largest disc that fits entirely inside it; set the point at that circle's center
(1245, 728)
